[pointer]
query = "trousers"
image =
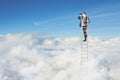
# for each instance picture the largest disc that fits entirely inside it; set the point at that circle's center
(85, 30)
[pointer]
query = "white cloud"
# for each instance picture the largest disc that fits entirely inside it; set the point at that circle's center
(33, 57)
(37, 23)
(106, 15)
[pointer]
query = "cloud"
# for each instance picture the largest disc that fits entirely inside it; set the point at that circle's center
(36, 23)
(106, 15)
(54, 20)
(34, 57)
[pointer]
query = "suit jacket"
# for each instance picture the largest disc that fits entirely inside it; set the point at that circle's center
(84, 21)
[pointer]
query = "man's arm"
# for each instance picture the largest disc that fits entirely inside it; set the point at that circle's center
(88, 20)
(79, 17)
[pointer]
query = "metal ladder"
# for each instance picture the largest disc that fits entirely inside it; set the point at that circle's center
(84, 53)
(84, 60)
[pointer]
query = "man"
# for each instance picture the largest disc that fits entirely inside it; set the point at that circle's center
(84, 21)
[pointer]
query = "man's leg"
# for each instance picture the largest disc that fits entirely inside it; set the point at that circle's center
(85, 32)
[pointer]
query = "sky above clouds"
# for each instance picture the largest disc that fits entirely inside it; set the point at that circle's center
(59, 17)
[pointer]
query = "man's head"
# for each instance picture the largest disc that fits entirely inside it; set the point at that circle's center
(84, 12)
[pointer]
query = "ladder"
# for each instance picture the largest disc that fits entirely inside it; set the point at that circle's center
(84, 53)
(84, 60)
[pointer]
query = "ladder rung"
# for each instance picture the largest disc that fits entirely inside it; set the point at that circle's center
(84, 53)
(84, 57)
(84, 46)
(84, 60)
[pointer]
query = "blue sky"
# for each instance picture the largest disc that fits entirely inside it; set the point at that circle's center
(59, 17)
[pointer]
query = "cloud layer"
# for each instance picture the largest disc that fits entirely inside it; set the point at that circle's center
(34, 57)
